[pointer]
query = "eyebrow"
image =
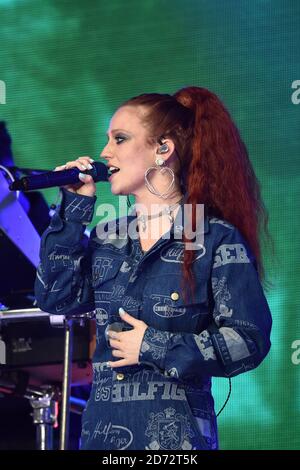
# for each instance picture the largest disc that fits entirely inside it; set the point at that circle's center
(117, 130)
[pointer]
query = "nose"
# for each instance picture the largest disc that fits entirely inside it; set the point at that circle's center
(104, 156)
(105, 153)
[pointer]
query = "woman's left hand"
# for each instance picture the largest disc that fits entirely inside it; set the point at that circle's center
(127, 344)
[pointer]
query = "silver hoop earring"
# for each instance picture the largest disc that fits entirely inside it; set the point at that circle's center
(161, 168)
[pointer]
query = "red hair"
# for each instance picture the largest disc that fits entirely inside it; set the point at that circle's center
(215, 167)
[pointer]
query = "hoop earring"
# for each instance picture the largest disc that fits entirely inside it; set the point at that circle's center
(161, 168)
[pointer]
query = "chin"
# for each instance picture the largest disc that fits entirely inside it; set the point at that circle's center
(120, 190)
(117, 192)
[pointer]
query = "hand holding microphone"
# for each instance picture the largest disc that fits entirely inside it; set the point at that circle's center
(86, 186)
(78, 176)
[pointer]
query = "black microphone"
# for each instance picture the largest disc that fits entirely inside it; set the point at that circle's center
(99, 172)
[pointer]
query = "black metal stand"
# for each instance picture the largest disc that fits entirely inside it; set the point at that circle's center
(45, 406)
(66, 388)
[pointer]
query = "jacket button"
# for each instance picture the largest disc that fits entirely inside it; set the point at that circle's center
(174, 296)
(120, 376)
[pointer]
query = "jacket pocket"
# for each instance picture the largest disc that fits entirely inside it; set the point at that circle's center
(165, 306)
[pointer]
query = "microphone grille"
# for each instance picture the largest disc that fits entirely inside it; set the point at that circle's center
(101, 172)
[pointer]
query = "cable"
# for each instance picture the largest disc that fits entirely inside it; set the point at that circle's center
(228, 396)
(11, 177)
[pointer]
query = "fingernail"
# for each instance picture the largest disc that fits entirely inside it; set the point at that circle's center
(83, 167)
(91, 160)
(121, 311)
(89, 166)
(82, 176)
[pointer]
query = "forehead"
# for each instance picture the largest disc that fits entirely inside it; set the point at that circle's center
(128, 117)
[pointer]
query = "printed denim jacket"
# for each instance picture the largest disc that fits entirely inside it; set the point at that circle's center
(165, 401)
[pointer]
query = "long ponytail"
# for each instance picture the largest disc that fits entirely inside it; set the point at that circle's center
(220, 173)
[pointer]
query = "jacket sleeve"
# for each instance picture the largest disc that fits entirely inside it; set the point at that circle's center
(238, 336)
(63, 280)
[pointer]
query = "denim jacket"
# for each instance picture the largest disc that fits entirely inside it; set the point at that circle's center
(165, 401)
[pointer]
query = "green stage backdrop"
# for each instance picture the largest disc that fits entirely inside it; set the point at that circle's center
(66, 64)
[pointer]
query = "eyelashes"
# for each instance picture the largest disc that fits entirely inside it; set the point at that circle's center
(119, 139)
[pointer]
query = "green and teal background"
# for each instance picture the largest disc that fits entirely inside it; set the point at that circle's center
(67, 64)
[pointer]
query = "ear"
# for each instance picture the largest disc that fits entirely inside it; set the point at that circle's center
(165, 148)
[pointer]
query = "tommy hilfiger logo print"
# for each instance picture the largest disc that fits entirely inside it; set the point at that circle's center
(169, 430)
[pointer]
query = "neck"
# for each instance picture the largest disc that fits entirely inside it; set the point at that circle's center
(149, 204)
(156, 215)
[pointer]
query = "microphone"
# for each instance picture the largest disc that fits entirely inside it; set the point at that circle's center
(99, 172)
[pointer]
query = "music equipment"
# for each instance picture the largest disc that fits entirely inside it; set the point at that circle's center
(41, 355)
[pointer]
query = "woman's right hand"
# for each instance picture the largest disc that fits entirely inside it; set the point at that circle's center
(87, 185)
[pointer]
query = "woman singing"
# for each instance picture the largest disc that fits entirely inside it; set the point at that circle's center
(176, 285)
